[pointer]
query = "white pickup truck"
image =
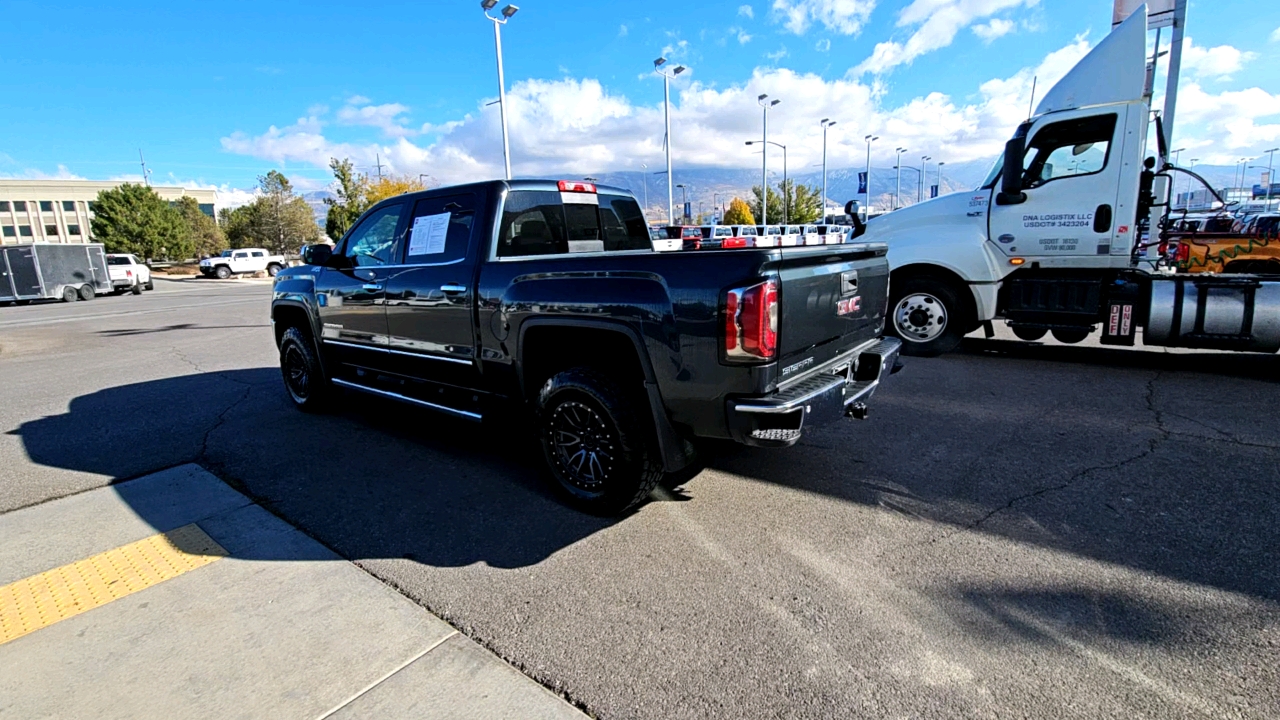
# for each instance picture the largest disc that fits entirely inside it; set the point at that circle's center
(128, 274)
(241, 261)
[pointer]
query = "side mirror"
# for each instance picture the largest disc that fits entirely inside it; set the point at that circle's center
(1011, 176)
(318, 254)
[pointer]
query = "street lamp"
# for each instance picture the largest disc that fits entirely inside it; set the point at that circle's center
(897, 193)
(507, 12)
(715, 205)
(826, 123)
(870, 139)
(685, 202)
(644, 180)
(900, 168)
(1271, 156)
(666, 113)
(786, 196)
(1175, 154)
(920, 188)
(764, 159)
(1193, 167)
(940, 164)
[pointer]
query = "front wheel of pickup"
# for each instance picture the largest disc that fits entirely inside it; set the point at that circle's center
(927, 314)
(598, 447)
(304, 379)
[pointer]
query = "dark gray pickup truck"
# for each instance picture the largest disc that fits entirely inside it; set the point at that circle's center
(551, 294)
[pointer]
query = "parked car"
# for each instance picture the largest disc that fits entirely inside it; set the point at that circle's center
(548, 295)
(240, 262)
(128, 274)
(768, 236)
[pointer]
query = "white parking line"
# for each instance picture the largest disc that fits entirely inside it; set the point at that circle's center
(98, 316)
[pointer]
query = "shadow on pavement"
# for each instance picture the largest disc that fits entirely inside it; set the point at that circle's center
(993, 444)
(372, 480)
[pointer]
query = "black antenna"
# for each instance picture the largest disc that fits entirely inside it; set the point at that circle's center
(1032, 105)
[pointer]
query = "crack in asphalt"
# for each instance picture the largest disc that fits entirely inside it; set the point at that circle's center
(1157, 414)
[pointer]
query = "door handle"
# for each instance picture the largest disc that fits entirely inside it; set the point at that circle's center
(372, 287)
(452, 288)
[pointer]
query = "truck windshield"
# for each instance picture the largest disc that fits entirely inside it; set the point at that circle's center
(539, 222)
(225, 253)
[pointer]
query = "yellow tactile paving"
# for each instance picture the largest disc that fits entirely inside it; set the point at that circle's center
(42, 600)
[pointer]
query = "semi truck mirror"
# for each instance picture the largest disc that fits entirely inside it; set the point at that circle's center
(1011, 176)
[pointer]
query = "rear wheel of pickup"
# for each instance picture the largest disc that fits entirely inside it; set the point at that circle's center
(136, 289)
(928, 316)
(304, 379)
(599, 449)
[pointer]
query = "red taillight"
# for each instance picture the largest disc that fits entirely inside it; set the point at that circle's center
(735, 242)
(128, 273)
(571, 186)
(1182, 253)
(751, 322)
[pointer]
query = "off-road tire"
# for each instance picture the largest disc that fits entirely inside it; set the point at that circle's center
(612, 427)
(954, 315)
(86, 292)
(222, 272)
(304, 380)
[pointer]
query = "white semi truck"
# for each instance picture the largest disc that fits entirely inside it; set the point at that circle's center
(1054, 241)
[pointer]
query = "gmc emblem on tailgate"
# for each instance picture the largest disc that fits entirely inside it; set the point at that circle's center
(847, 306)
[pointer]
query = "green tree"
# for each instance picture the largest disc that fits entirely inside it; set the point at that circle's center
(790, 204)
(206, 237)
(739, 213)
(352, 198)
(134, 219)
(278, 219)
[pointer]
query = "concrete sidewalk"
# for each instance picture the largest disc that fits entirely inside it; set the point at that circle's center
(173, 595)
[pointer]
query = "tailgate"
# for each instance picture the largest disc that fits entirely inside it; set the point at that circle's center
(832, 299)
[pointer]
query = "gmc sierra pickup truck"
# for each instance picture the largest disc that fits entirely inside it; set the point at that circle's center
(551, 294)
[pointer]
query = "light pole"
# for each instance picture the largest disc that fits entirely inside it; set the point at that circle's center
(897, 193)
(1193, 167)
(920, 187)
(644, 180)
(826, 123)
(940, 164)
(786, 197)
(1271, 156)
(684, 202)
(764, 159)
(870, 139)
(507, 12)
(666, 113)
(715, 205)
(1175, 154)
(900, 168)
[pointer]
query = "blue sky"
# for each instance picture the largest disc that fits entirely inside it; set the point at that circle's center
(217, 94)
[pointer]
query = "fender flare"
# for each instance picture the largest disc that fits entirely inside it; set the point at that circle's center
(672, 447)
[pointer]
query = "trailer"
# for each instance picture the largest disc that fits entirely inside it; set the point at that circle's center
(1069, 232)
(53, 271)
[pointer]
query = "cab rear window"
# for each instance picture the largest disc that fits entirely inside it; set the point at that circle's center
(539, 222)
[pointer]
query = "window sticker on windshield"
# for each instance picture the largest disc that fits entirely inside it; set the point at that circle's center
(428, 234)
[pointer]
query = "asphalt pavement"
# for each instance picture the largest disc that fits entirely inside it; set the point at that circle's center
(1039, 531)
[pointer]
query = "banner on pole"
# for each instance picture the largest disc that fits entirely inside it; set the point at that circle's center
(862, 183)
(933, 191)
(1159, 12)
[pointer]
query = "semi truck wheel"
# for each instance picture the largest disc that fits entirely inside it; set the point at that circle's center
(69, 294)
(1030, 334)
(304, 379)
(927, 315)
(1071, 336)
(598, 446)
(223, 272)
(86, 292)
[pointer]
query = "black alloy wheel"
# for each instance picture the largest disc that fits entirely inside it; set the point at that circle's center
(303, 377)
(598, 442)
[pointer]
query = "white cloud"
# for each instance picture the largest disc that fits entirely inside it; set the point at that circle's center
(676, 49)
(62, 173)
(1215, 62)
(996, 28)
(1275, 35)
(936, 23)
(622, 31)
(846, 17)
(358, 100)
(822, 45)
(574, 127)
(1227, 124)
(385, 117)
(749, 12)
(777, 55)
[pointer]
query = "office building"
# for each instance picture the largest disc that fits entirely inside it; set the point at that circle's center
(60, 210)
